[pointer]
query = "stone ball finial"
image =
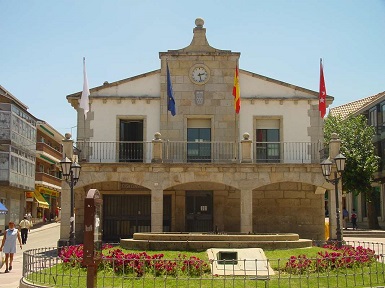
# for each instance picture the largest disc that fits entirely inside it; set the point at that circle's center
(199, 22)
(157, 136)
(334, 136)
(68, 136)
(246, 136)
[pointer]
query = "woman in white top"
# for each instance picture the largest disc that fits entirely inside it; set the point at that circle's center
(8, 245)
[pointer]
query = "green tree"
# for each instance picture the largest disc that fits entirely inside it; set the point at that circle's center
(361, 160)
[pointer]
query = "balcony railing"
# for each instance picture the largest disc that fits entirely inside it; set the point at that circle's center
(51, 179)
(202, 152)
(44, 147)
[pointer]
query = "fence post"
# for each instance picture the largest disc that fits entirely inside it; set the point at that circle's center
(246, 148)
(157, 152)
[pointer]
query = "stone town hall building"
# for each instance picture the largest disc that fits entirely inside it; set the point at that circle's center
(206, 168)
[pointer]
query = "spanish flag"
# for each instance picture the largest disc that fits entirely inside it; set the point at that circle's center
(236, 92)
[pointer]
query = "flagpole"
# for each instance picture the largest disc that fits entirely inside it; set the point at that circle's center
(167, 102)
(236, 120)
(235, 135)
(167, 136)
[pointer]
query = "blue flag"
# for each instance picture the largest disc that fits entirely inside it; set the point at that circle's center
(170, 95)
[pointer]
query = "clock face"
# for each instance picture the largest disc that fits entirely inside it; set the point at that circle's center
(199, 74)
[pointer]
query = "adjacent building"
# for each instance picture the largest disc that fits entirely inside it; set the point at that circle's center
(17, 156)
(43, 202)
(373, 108)
(207, 168)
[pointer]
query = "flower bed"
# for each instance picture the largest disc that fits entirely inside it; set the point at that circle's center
(344, 257)
(138, 263)
(324, 266)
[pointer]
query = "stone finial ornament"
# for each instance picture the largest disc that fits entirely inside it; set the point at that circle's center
(157, 136)
(199, 22)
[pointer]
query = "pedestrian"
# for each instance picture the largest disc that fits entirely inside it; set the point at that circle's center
(8, 245)
(25, 227)
(345, 217)
(354, 219)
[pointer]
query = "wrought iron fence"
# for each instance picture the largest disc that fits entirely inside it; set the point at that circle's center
(199, 151)
(44, 267)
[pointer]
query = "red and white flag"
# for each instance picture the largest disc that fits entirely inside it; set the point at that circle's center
(322, 93)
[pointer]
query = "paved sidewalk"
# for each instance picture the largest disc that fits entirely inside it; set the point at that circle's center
(43, 236)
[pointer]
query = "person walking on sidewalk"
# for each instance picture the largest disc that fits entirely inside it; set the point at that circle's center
(8, 245)
(354, 219)
(25, 227)
(345, 215)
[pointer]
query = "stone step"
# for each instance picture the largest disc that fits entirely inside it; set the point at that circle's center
(364, 233)
(204, 245)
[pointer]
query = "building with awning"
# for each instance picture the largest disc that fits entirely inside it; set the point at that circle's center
(3, 209)
(3, 215)
(17, 156)
(48, 175)
(40, 200)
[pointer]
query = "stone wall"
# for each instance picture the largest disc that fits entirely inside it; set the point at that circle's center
(289, 207)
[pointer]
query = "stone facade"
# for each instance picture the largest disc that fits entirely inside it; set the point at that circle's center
(235, 193)
(247, 197)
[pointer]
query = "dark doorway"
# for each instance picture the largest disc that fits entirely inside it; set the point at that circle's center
(131, 141)
(124, 215)
(199, 211)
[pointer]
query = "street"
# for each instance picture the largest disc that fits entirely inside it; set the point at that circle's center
(44, 236)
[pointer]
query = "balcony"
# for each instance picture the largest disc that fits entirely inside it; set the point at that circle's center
(47, 179)
(202, 152)
(45, 148)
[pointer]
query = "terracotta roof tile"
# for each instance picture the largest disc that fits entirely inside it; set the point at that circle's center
(351, 107)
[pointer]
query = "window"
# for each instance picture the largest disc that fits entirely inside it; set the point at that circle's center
(373, 117)
(382, 124)
(268, 146)
(131, 141)
(199, 140)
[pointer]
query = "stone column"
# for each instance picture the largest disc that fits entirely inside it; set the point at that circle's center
(334, 150)
(246, 149)
(246, 211)
(65, 195)
(157, 210)
(180, 211)
(157, 151)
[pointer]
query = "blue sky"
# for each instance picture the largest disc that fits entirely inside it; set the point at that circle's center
(43, 44)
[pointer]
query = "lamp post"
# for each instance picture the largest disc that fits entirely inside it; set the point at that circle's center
(71, 173)
(326, 166)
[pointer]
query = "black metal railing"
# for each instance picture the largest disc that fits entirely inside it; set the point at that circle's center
(43, 267)
(192, 151)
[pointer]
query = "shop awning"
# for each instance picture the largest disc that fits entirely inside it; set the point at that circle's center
(3, 209)
(40, 200)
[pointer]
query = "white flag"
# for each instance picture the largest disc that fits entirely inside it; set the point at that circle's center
(84, 101)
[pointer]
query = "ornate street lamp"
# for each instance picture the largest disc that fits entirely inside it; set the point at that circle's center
(71, 173)
(326, 166)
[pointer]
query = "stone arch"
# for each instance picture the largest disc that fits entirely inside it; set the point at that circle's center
(105, 188)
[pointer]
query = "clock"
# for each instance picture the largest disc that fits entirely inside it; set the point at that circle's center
(199, 74)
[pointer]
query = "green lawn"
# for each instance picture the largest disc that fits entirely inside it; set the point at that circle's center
(62, 276)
